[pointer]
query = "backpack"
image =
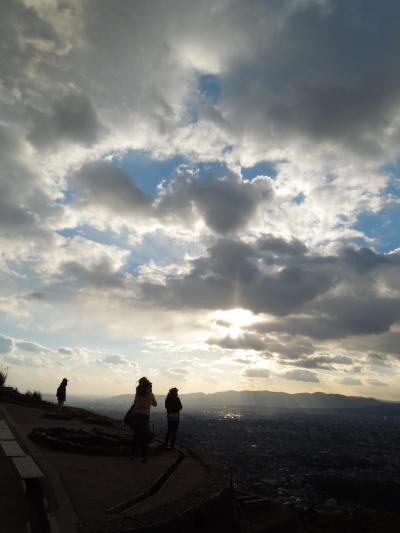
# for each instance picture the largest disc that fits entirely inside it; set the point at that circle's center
(128, 418)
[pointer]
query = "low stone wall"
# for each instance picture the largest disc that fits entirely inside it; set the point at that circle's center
(80, 441)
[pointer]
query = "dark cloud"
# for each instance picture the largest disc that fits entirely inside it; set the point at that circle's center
(288, 348)
(323, 71)
(301, 375)
(366, 260)
(376, 383)
(28, 346)
(321, 297)
(226, 204)
(230, 275)
(71, 119)
(341, 360)
(35, 297)
(347, 380)
(353, 315)
(386, 343)
(101, 274)
(246, 341)
(322, 362)
(213, 281)
(287, 290)
(279, 246)
(256, 373)
(241, 361)
(101, 184)
(65, 351)
(26, 208)
(115, 360)
(377, 359)
(20, 25)
(335, 318)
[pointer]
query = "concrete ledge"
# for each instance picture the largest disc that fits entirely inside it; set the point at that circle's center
(11, 448)
(5, 434)
(27, 468)
(61, 516)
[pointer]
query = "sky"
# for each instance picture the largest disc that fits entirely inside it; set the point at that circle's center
(203, 192)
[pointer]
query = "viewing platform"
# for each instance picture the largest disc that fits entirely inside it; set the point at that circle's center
(50, 486)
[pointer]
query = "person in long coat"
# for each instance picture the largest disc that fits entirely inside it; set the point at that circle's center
(62, 394)
(173, 406)
(140, 416)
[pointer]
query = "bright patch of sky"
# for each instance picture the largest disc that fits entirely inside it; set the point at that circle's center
(262, 168)
(299, 198)
(210, 87)
(383, 227)
(92, 234)
(146, 171)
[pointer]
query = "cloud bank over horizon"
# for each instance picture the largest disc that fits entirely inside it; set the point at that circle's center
(206, 193)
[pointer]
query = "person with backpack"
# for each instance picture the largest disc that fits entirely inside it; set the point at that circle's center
(173, 406)
(138, 417)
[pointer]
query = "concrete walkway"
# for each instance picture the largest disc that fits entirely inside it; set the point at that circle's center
(82, 489)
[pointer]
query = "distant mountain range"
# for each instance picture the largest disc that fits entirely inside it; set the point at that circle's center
(257, 401)
(266, 399)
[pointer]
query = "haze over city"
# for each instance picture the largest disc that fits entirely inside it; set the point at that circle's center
(205, 193)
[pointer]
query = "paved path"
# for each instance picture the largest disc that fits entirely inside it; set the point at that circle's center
(83, 488)
(18, 511)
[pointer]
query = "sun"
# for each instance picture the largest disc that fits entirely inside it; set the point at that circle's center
(233, 321)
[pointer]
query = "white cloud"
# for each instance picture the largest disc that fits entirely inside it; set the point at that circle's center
(308, 86)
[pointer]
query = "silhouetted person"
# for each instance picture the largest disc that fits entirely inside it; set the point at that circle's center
(62, 394)
(144, 399)
(173, 406)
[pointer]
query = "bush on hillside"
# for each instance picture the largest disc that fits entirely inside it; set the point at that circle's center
(34, 395)
(3, 375)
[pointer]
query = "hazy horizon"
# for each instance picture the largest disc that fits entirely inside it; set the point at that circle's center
(207, 194)
(48, 395)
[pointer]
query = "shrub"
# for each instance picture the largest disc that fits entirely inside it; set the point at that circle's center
(34, 395)
(3, 375)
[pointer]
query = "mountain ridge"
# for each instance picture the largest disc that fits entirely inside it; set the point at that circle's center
(271, 399)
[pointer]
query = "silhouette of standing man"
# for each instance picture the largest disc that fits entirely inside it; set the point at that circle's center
(173, 406)
(62, 394)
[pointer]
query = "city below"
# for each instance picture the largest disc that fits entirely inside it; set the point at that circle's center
(339, 462)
